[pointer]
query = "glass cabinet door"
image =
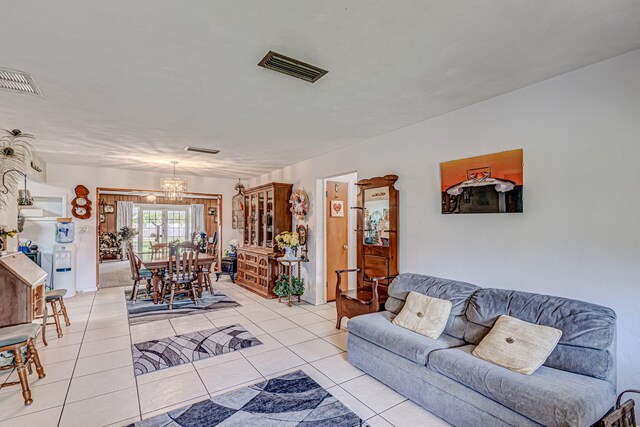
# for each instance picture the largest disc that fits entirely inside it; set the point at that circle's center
(254, 220)
(247, 219)
(269, 219)
(260, 222)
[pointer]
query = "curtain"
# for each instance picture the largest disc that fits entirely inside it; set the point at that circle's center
(197, 218)
(124, 214)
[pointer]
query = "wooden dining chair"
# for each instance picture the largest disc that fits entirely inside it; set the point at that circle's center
(160, 250)
(212, 251)
(182, 276)
(137, 274)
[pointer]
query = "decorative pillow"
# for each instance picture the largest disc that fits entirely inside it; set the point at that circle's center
(425, 315)
(518, 345)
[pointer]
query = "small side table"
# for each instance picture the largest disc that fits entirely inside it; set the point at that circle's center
(286, 267)
(228, 266)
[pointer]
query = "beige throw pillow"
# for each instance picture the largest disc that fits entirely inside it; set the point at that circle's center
(425, 315)
(518, 345)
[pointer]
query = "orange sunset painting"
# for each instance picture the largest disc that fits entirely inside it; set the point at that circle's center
(491, 183)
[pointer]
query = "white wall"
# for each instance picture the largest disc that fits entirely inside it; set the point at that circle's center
(62, 179)
(579, 235)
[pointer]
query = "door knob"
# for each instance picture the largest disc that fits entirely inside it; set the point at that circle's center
(345, 247)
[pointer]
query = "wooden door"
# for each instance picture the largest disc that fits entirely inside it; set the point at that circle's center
(337, 235)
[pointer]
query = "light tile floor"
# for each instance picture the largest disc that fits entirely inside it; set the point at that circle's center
(90, 380)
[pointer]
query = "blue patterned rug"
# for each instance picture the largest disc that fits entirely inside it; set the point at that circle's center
(144, 310)
(150, 356)
(290, 400)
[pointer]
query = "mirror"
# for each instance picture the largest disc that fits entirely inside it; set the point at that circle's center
(376, 216)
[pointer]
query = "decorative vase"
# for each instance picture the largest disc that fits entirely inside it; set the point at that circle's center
(289, 253)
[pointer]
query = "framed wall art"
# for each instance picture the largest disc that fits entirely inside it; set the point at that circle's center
(491, 183)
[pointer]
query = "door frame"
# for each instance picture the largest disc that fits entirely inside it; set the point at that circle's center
(321, 248)
(96, 214)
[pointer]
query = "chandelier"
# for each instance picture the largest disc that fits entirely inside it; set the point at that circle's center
(173, 188)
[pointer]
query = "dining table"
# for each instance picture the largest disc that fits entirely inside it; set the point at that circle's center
(157, 263)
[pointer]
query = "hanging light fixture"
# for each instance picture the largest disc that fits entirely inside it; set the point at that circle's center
(173, 188)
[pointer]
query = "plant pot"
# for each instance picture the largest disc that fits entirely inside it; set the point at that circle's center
(289, 253)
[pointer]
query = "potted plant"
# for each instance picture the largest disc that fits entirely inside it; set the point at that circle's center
(282, 288)
(127, 234)
(289, 241)
(5, 232)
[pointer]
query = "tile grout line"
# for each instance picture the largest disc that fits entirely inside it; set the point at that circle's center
(64, 403)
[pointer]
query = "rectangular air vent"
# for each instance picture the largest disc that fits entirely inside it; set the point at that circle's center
(292, 67)
(201, 150)
(18, 81)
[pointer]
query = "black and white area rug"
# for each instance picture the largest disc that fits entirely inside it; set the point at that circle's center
(150, 356)
(144, 310)
(290, 400)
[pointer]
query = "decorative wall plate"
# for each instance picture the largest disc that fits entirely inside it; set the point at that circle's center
(81, 205)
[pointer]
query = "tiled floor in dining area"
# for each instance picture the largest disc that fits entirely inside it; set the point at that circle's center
(90, 380)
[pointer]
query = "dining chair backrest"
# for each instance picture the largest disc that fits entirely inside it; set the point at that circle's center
(159, 250)
(184, 265)
(135, 270)
(180, 248)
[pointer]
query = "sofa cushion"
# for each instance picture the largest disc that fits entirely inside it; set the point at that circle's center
(456, 292)
(587, 345)
(424, 315)
(378, 329)
(518, 345)
(549, 396)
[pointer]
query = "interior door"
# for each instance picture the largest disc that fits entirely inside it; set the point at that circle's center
(337, 237)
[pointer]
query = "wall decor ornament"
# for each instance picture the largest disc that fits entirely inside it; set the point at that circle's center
(299, 204)
(81, 205)
(337, 208)
(237, 208)
(15, 155)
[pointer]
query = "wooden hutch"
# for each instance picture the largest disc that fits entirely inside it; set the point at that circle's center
(266, 215)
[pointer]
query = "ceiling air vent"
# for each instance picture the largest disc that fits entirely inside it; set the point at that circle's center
(201, 150)
(292, 67)
(18, 81)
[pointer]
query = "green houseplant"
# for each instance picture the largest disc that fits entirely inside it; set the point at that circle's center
(282, 288)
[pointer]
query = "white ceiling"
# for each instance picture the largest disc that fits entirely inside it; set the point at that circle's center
(130, 83)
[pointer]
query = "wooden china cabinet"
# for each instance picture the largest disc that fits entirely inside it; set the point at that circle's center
(266, 215)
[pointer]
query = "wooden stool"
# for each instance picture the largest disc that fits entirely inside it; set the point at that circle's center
(13, 340)
(55, 298)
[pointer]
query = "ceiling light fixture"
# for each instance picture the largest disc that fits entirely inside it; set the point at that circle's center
(173, 188)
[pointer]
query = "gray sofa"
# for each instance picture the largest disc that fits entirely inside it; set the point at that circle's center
(575, 387)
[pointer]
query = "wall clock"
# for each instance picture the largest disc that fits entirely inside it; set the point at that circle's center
(109, 209)
(81, 205)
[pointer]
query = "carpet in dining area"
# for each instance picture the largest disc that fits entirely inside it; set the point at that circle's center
(154, 355)
(144, 310)
(293, 399)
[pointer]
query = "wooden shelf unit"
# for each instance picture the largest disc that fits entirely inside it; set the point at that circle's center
(266, 215)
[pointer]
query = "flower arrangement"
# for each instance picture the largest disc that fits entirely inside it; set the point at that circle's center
(127, 234)
(6, 232)
(299, 204)
(288, 239)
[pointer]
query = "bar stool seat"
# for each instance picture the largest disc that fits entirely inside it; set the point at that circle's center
(55, 299)
(17, 334)
(55, 294)
(18, 347)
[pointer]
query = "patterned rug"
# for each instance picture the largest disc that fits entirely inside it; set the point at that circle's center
(290, 400)
(150, 356)
(144, 310)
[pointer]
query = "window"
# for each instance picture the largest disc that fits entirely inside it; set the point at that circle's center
(161, 224)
